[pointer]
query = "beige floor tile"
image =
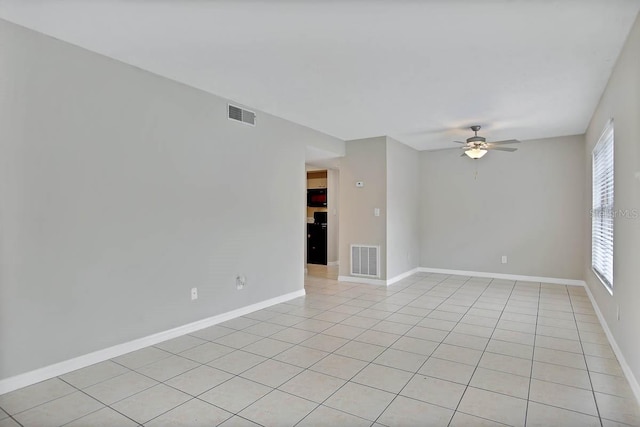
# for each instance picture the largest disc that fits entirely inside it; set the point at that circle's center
(447, 370)
(383, 378)
(167, 368)
(415, 345)
(503, 363)
(206, 352)
(457, 354)
(562, 396)
(362, 401)
(278, 409)
(604, 366)
(293, 335)
(237, 362)
(264, 329)
(474, 330)
(479, 320)
(339, 366)
(34, 395)
(235, 394)
(344, 331)
(118, 388)
(271, 373)
(561, 374)
(404, 411)
(559, 344)
(360, 350)
(598, 350)
(180, 344)
(105, 417)
(511, 325)
(378, 338)
(494, 406)
(312, 386)
(3, 414)
(440, 324)
(391, 327)
(557, 357)
(539, 415)
(468, 341)
(239, 323)
(610, 384)
(267, 347)
(237, 421)
(433, 390)
(360, 322)
(301, 356)
(139, 358)
(8, 422)
(501, 382)
(324, 416)
(461, 419)
(324, 342)
(623, 410)
(429, 334)
(199, 380)
(401, 360)
(315, 325)
(238, 339)
(94, 374)
(192, 413)
(150, 403)
(59, 411)
(510, 349)
(514, 336)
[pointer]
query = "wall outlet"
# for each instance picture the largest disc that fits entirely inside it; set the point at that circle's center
(194, 294)
(504, 259)
(240, 282)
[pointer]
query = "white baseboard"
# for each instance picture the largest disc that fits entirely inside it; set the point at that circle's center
(333, 263)
(633, 381)
(570, 282)
(51, 371)
(401, 276)
(367, 281)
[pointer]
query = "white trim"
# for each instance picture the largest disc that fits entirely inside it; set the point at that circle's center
(401, 276)
(633, 382)
(358, 279)
(51, 371)
(570, 282)
(333, 263)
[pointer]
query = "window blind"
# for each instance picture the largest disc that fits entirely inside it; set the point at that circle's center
(602, 212)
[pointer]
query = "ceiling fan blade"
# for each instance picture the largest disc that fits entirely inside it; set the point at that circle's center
(506, 141)
(460, 142)
(463, 154)
(503, 149)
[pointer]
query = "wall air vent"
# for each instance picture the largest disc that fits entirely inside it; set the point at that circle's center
(241, 115)
(365, 260)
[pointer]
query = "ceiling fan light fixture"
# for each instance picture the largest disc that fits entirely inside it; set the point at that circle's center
(475, 153)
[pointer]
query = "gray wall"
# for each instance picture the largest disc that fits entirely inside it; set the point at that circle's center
(121, 190)
(621, 100)
(527, 205)
(403, 195)
(365, 160)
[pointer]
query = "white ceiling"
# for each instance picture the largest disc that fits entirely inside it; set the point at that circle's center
(419, 71)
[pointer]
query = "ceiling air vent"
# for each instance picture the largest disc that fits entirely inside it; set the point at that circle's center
(241, 115)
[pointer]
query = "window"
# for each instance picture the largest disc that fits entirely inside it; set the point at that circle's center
(602, 213)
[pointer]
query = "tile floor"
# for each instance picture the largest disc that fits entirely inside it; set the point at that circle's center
(431, 350)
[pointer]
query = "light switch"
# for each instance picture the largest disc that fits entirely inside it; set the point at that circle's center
(376, 212)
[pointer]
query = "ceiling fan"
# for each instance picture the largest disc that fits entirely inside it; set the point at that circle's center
(477, 146)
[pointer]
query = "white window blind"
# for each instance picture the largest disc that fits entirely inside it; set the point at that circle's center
(602, 213)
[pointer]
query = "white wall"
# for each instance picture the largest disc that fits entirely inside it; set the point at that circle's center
(120, 190)
(527, 205)
(621, 100)
(403, 195)
(365, 160)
